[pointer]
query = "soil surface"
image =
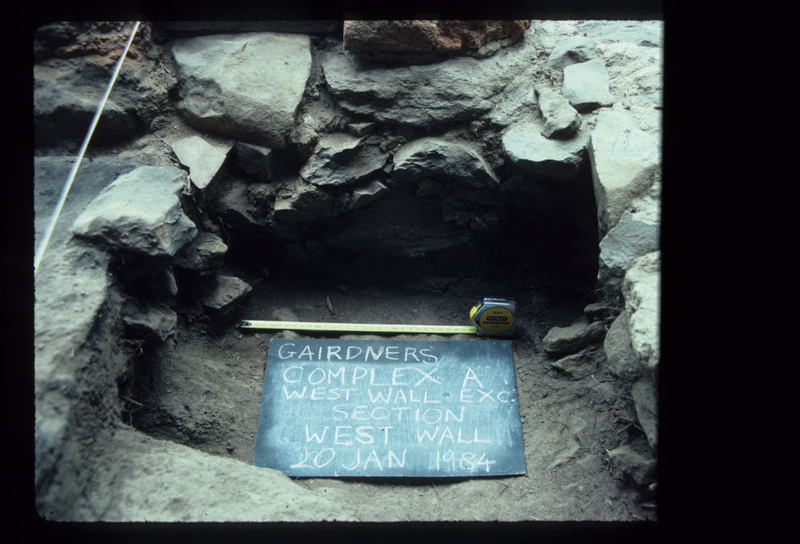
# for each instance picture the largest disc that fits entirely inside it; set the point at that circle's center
(206, 393)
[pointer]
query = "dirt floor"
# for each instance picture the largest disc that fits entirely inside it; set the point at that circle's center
(205, 392)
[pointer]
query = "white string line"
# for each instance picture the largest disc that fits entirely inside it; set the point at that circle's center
(71, 178)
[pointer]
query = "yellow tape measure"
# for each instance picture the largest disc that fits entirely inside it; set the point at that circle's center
(492, 317)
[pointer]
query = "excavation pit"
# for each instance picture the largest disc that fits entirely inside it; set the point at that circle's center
(148, 394)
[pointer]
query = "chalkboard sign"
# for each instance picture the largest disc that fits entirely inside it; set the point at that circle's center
(374, 408)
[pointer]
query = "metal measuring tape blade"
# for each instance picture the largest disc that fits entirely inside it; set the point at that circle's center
(492, 316)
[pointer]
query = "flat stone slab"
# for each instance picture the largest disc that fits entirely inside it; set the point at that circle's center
(203, 159)
(530, 150)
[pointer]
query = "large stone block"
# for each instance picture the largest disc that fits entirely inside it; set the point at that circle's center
(247, 86)
(455, 90)
(625, 162)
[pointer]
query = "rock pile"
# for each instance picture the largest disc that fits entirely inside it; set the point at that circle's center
(408, 140)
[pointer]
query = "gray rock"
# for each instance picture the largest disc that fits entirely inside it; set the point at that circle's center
(299, 203)
(561, 119)
(435, 158)
(225, 293)
(632, 465)
(622, 361)
(566, 340)
(641, 288)
(339, 160)
(149, 322)
(140, 212)
(203, 159)
(597, 310)
(636, 233)
(51, 172)
(586, 85)
(525, 145)
(239, 204)
(577, 365)
(572, 50)
(247, 86)
(645, 401)
(254, 161)
(364, 195)
(625, 162)
(204, 255)
(459, 89)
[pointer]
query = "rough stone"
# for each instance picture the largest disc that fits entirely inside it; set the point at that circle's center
(636, 233)
(567, 340)
(67, 91)
(340, 160)
(149, 322)
(597, 310)
(625, 162)
(577, 365)
(622, 361)
(561, 119)
(254, 161)
(225, 293)
(642, 292)
(299, 203)
(586, 85)
(635, 466)
(435, 158)
(458, 89)
(204, 255)
(572, 50)
(420, 41)
(203, 159)
(140, 212)
(645, 401)
(50, 173)
(364, 195)
(525, 145)
(247, 86)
